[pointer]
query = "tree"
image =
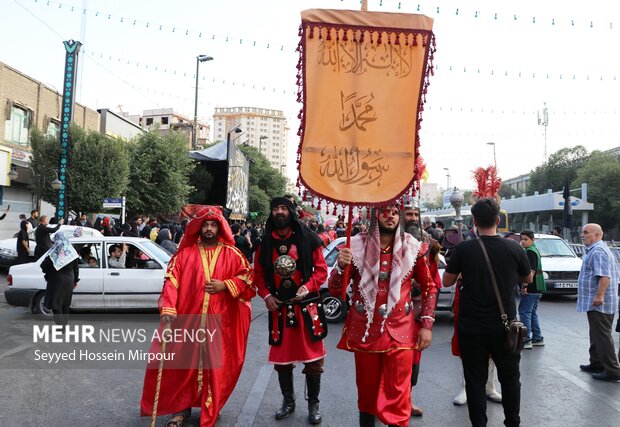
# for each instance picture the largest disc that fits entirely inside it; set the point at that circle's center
(202, 181)
(561, 165)
(97, 168)
(159, 168)
(602, 174)
(265, 182)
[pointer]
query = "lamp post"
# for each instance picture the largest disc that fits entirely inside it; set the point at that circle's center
(494, 158)
(282, 168)
(447, 178)
(199, 59)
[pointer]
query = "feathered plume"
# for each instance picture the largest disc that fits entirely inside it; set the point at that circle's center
(487, 184)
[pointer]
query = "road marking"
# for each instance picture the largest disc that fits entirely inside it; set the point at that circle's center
(255, 397)
(588, 388)
(15, 350)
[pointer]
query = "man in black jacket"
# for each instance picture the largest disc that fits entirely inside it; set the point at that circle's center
(42, 236)
(480, 329)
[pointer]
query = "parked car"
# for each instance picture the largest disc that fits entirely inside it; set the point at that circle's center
(100, 286)
(578, 248)
(336, 310)
(559, 263)
(8, 247)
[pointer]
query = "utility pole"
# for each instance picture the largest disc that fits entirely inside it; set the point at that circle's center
(544, 121)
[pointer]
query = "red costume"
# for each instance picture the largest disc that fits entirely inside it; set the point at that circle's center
(380, 327)
(294, 344)
(184, 294)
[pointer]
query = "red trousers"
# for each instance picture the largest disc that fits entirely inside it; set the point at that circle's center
(384, 385)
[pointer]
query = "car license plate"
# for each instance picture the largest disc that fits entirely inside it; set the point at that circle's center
(565, 285)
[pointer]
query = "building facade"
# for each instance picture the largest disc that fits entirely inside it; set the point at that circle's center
(166, 120)
(25, 104)
(262, 128)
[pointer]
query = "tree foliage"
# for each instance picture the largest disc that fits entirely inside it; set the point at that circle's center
(602, 174)
(265, 182)
(561, 165)
(158, 174)
(97, 168)
(202, 181)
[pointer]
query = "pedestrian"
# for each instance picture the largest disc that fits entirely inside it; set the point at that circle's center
(42, 236)
(33, 220)
(242, 242)
(23, 242)
(165, 240)
(531, 293)
(597, 295)
(290, 270)
(480, 328)
(206, 254)
(83, 221)
(380, 328)
(62, 273)
(429, 253)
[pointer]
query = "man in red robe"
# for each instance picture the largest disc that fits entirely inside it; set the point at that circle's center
(290, 270)
(208, 278)
(380, 328)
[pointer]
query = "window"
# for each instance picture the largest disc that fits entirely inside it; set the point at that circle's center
(149, 121)
(53, 128)
(17, 125)
(89, 254)
(164, 121)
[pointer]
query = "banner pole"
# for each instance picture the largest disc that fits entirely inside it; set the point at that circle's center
(345, 274)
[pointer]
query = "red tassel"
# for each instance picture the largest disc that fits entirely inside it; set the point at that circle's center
(320, 33)
(329, 34)
(335, 212)
(301, 30)
(344, 36)
(311, 32)
(362, 36)
(326, 209)
(318, 206)
(397, 41)
(379, 37)
(415, 39)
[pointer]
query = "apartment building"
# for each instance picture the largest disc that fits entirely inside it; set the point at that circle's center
(166, 120)
(261, 128)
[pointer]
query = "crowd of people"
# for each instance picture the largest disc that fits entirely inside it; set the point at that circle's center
(392, 264)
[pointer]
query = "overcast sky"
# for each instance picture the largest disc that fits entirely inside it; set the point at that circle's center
(494, 72)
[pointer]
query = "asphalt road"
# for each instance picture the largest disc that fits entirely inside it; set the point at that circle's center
(554, 391)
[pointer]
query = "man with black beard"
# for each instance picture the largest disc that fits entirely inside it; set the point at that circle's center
(207, 278)
(380, 328)
(289, 271)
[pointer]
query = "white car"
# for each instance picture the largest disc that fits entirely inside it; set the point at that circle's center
(559, 263)
(100, 286)
(8, 247)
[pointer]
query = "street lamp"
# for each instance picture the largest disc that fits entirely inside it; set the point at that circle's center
(199, 59)
(494, 159)
(447, 177)
(282, 167)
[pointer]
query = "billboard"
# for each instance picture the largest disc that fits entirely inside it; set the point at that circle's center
(237, 194)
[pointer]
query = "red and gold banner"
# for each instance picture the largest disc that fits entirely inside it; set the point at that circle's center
(362, 78)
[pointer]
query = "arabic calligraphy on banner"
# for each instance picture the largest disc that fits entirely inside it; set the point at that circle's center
(351, 57)
(363, 77)
(353, 167)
